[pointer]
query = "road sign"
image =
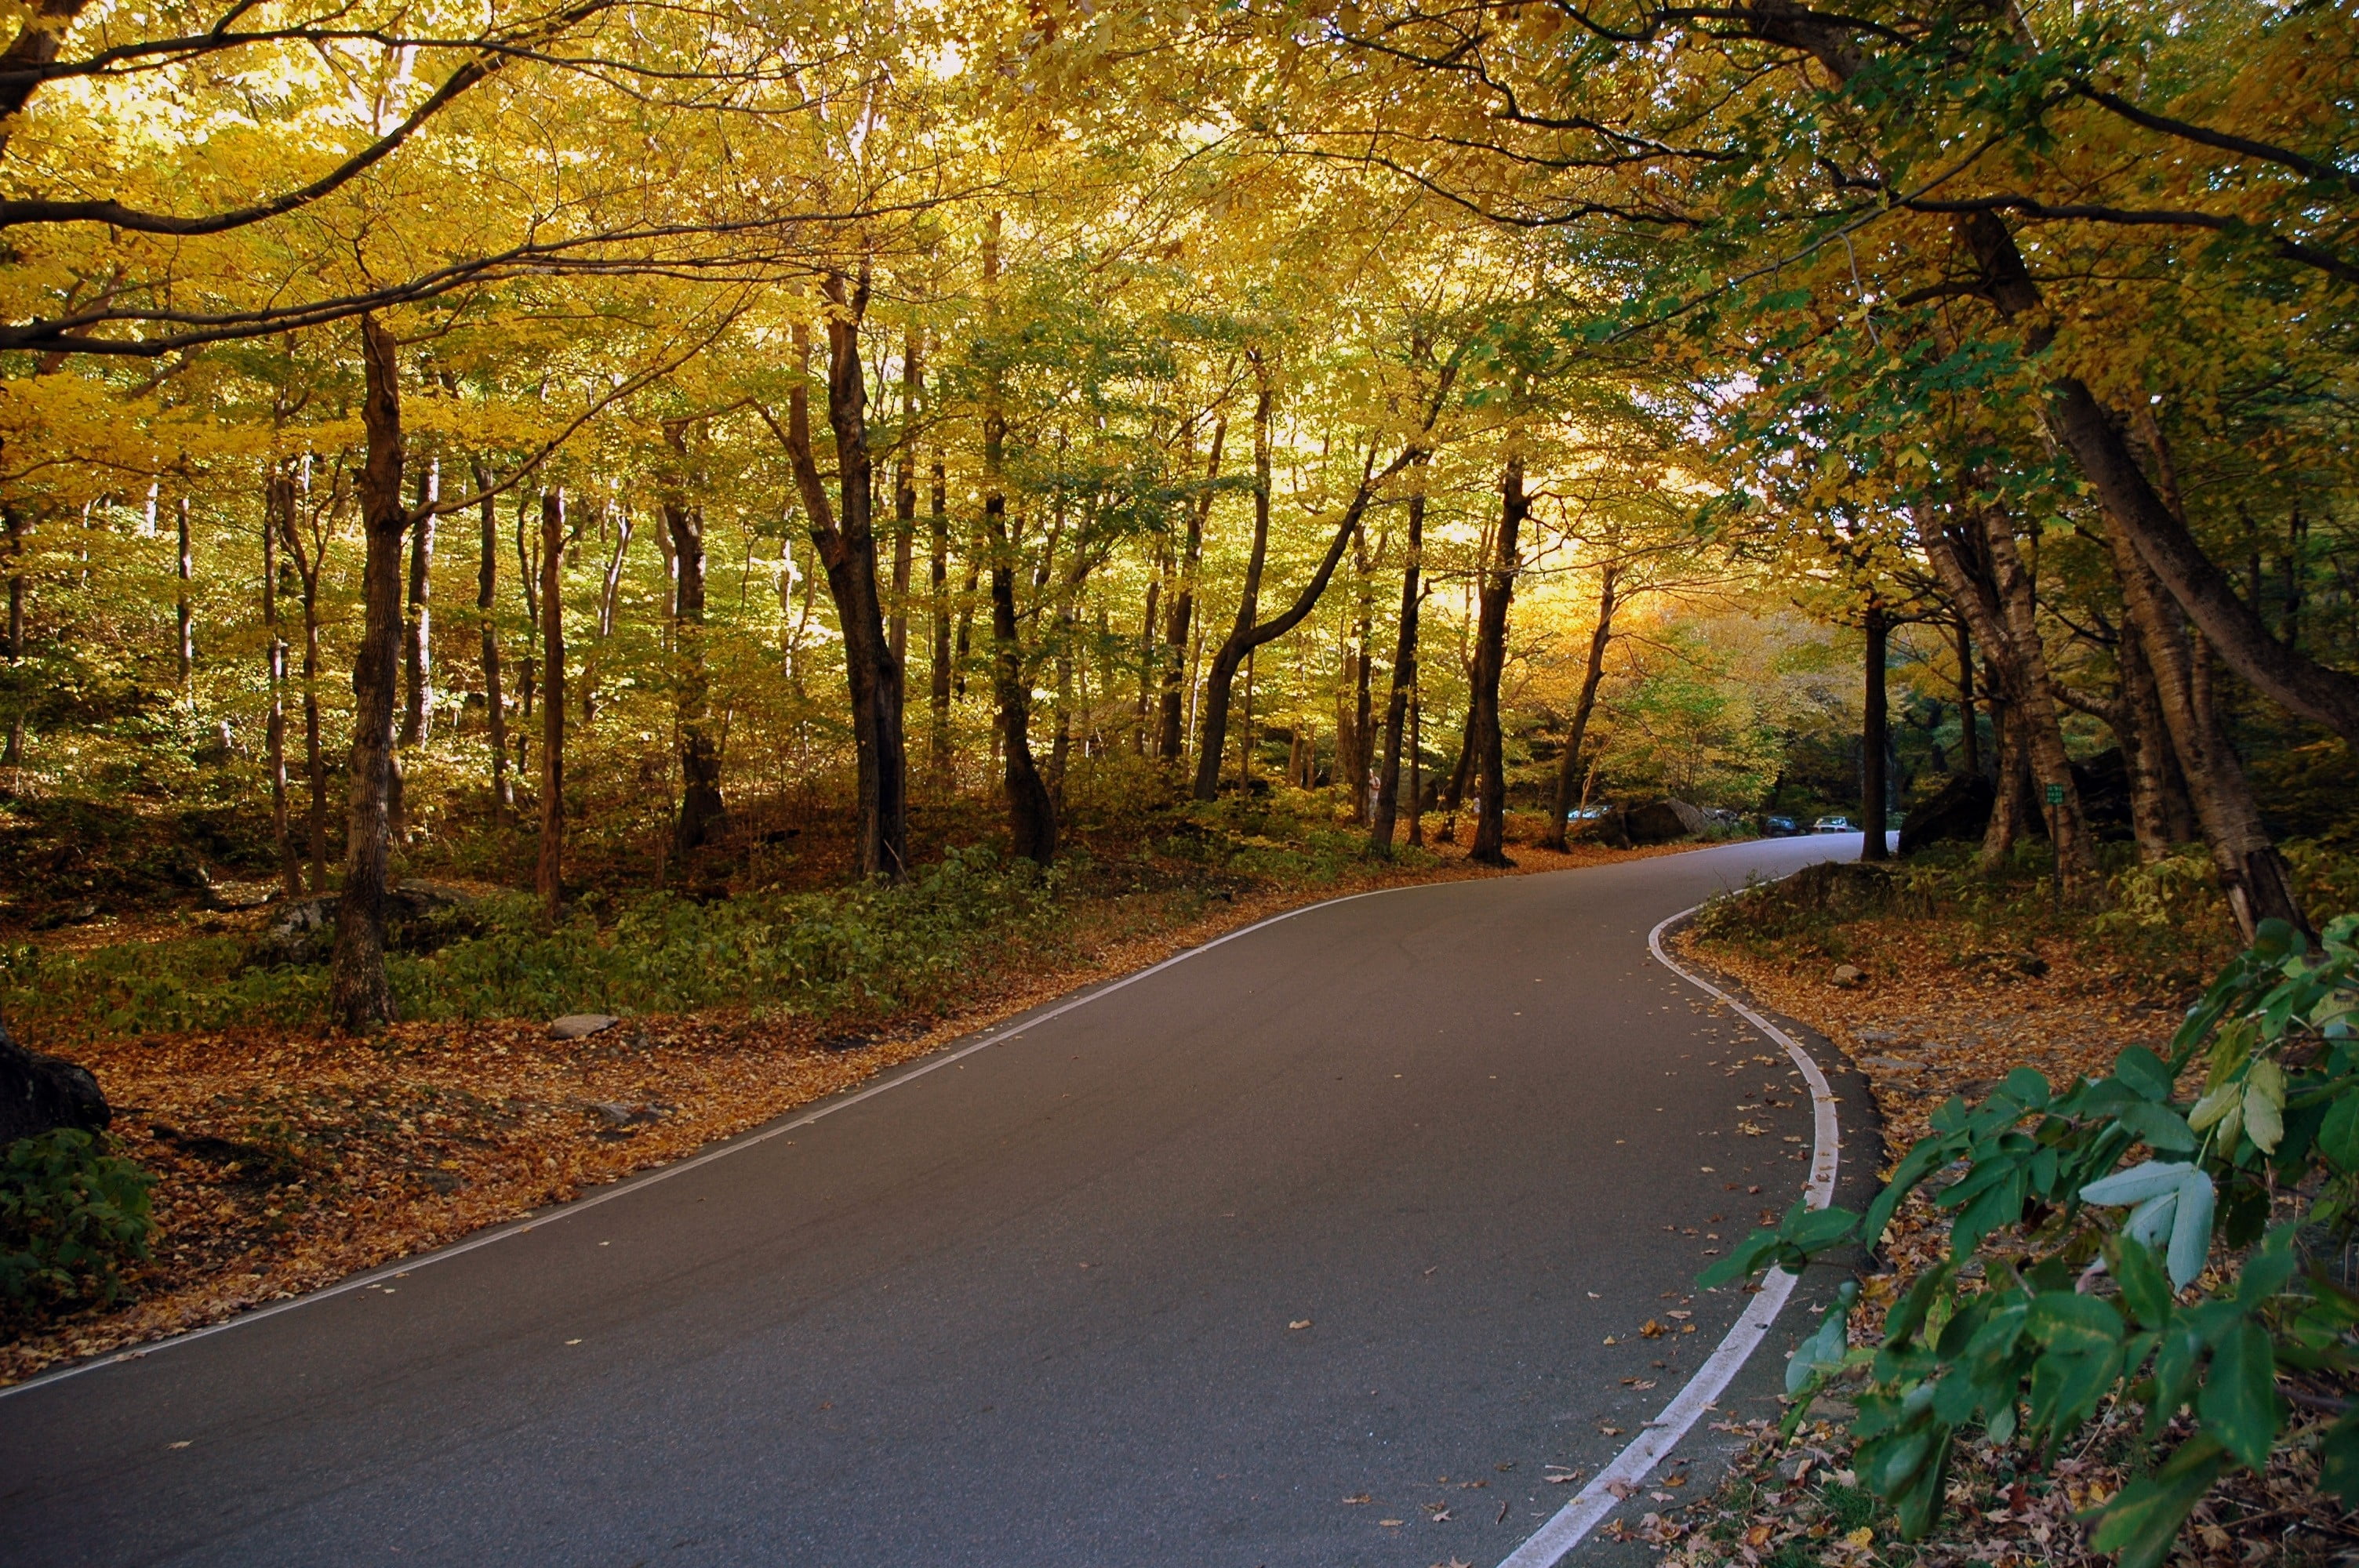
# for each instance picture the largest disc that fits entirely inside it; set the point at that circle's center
(2055, 795)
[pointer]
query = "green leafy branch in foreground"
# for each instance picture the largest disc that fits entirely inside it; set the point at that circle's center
(2070, 1280)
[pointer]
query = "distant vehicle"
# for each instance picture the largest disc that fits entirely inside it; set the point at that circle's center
(1833, 825)
(1780, 827)
(1584, 814)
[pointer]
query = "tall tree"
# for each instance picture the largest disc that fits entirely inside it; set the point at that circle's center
(1489, 847)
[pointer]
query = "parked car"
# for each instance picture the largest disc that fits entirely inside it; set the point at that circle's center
(1780, 827)
(1833, 825)
(1584, 814)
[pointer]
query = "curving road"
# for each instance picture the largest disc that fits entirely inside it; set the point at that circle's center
(1344, 1207)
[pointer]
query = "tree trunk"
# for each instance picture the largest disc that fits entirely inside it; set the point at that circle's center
(1172, 740)
(2146, 749)
(548, 873)
(939, 570)
(487, 583)
(701, 805)
(1876, 736)
(847, 546)
(2008, 784)
(1592, 675)
(1489, 847)
(358, 994)
(184, 607)
(419, 635)
(2252, 874)
(1031, 815)
(1970, 747)
(1246, 635)
(12, 755)
(1987, 582)
(1415, 772)
(1396, 705)
(277, 516)
(1354, 767)
(905, 494)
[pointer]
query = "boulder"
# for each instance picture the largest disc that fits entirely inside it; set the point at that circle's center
(581, 1025)
(419, 916)
(39, 1093)
(1655, 822)
(1958, 809)
(1850, 976)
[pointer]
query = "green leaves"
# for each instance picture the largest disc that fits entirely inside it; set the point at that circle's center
(2141, 1523)
(70, 1216)
(2239, 1402)
(2175, 1204)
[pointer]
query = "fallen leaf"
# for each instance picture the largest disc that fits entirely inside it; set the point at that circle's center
(1300, 1323)
(1389, 1523)
(1362, 1497)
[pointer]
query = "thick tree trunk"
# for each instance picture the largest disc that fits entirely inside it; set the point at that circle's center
(417, 650)
(1876, 735)
(1489, 847)
(358, 994)
(548, 873)
(277, 518)
(487, 583)
(2252, 874)
(701, 805)
(1171, 741)
(1592, 675)
(1396, 705)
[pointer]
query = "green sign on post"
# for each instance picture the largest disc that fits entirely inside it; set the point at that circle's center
(2055, 795)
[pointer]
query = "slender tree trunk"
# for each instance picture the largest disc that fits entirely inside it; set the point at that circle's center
(1489, 847)
(1396, 705)
(1031, 813)
(1415, 772)
(700, 806)
(1592, 675)
(1355, 767)
(315, 756)
(548, 873)
(1235, 648)
(1171, 741)
(359, 995)
(905, 494)
(2146, 749)
(1149, 677)
(1970, 738)
(185, 604)
(1876, 735)
(487, 583)
(939, 577)
(418, 690)
(12, 755)
(277, 516)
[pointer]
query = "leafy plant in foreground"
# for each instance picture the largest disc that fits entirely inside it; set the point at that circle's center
(2190, 1279)
(70, 1216)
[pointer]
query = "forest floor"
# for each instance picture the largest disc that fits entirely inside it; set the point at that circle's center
(1946, 1006)
(288, 1158)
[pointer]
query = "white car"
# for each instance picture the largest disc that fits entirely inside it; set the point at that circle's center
(1833, 825)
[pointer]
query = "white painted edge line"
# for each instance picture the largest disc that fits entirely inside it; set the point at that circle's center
(665, 1172)
(1661, 1437)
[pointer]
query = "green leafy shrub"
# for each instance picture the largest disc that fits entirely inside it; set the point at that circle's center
(70, 1216)
(2188, 1280)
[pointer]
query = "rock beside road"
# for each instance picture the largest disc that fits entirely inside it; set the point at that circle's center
(581, 1025)
(39, 1093)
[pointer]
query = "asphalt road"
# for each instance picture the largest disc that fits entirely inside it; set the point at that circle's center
(1344, 1208)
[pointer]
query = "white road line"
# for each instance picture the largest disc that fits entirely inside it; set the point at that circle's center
(1662, 1435)
(664, 1173)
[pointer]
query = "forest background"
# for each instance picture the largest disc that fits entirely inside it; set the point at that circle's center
(772, 504)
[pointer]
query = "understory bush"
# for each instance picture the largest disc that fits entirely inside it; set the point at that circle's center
(71, 1217)
(2122, 1241)
(856, 949)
